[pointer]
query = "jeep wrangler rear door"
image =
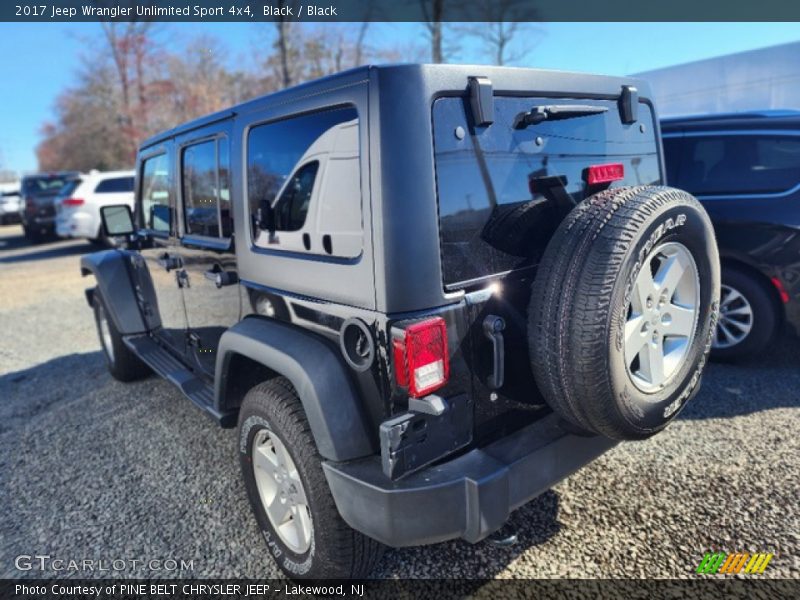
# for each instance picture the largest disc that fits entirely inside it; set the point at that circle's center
(211, 290)
(503, 189)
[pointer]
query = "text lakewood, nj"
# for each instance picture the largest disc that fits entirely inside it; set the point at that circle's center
(196, 12)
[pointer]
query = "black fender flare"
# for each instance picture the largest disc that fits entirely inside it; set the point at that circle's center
(110, 270)
(317, 371)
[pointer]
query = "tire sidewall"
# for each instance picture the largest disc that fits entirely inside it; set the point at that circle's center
(297, 564)
(99, 306)
(688, 225)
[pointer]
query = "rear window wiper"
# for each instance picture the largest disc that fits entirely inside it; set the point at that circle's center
(556, 112)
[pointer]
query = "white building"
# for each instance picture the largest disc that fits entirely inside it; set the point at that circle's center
(767, 78)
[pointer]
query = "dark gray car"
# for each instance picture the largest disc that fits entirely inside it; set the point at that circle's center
(39, 192)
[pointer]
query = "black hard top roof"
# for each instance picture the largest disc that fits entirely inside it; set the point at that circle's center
(441, 77)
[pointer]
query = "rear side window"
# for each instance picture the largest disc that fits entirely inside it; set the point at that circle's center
(116, 185)
(156, 193)
(206, 189)
(733, 164)
(201, 189)
(503, 189)
(307, 169)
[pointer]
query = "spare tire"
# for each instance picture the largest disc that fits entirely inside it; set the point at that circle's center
(623, 310)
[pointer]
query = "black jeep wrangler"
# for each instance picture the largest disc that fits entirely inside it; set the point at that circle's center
(426, 294)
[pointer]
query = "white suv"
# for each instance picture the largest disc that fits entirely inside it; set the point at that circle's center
(79, 201)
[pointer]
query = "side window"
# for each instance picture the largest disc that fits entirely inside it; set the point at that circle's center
(303, 168)
(155, 199)
(206, 194)
(291, 207)
(116, 185)
(740, 164)
(674, 150)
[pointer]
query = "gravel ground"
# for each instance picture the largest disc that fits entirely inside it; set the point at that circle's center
(96, 469)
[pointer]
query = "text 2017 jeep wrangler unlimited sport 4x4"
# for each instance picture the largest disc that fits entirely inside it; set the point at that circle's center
(425, 293)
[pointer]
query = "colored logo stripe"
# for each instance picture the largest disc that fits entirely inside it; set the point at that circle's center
(720, 562)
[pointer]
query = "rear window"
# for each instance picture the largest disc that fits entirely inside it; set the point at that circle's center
(733, 164)
(503, 189)
(43, 186)
(69, 187)
(115, 185)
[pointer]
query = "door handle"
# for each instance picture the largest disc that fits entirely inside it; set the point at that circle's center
(221, 277)
(169, 262)
(493, 327)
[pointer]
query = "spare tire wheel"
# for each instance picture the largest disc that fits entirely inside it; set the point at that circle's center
(623, 310)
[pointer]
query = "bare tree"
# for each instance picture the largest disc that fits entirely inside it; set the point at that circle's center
(500, 26)
(130, 46)
(283, 47)
(433, 11)
(358, 56)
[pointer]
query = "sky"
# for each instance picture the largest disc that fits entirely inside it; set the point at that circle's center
(37, 60)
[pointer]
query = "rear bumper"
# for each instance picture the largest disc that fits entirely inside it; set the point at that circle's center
(75, 224)
(468, 497)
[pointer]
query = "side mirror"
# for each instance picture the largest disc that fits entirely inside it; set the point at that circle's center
(117, 220)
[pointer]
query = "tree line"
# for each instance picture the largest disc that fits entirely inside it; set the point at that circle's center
(136, 81)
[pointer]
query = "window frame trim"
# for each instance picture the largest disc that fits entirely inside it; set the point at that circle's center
(219, 242)
(245, 166)
(162, 150)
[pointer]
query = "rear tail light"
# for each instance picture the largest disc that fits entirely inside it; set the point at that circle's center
(420, 357)
(597, 174)
(72, 202)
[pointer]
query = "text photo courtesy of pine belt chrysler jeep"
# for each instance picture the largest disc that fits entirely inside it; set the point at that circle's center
(425, 294)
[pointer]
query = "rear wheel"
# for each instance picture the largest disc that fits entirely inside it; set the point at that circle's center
(623, 310)
(288, 491)
(747, 316)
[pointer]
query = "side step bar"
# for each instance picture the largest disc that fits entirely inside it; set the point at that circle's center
(169, 367)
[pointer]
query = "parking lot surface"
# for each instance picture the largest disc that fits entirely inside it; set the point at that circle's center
(95, 469)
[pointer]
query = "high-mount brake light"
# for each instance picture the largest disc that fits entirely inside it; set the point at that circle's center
(420, 357)
(597, 174)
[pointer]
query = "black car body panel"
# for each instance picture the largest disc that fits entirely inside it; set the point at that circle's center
(755, 207)
(226, 302)
(111, 270)
(339, 427)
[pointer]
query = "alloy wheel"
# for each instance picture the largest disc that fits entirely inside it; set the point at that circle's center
(735, 318)
(662, 316)
(281, 490)
(105, 332)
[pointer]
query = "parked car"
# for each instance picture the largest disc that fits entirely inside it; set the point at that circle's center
(745, 169)
(79, 201)
(10, 203)
(39, 192)
(419, 320)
